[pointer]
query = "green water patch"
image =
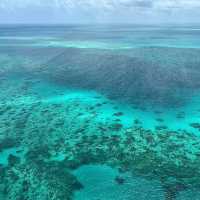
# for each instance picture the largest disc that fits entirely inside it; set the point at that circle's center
(103, 182)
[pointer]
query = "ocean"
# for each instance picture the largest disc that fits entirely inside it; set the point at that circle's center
(99, 112)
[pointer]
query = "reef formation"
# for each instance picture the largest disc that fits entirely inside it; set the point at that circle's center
(46, 133)
(54, 139)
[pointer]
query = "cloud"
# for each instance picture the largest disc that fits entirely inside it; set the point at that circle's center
(137, 3)
(97, 10)
(9, 4)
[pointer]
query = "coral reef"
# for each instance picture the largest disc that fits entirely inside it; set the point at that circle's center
(58, 112)
(52, 129)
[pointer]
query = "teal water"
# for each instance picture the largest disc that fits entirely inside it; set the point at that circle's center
(99, 112)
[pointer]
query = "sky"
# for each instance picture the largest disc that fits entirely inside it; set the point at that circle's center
(99, 11)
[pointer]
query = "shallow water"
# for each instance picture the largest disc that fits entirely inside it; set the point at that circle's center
(99, 112)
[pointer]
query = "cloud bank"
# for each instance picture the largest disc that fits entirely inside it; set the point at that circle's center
(99, 11)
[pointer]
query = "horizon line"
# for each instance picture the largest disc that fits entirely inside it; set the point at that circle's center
(101, 23)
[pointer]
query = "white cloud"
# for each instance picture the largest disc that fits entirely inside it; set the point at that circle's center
(102, 9)
(187, 4)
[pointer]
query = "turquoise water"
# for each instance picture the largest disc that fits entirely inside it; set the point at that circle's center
(99, 112)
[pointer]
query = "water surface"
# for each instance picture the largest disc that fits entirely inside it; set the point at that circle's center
(91, 112)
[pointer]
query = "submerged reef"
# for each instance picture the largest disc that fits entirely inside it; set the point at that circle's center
(45, 137)
(38, 180)
(52, 123)
(56, 139)
(133, 76)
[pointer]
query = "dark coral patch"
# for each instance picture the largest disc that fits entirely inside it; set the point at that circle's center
(195, 125)
(8, 143)
(116, 127)
(118, 114)
(119, 180)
